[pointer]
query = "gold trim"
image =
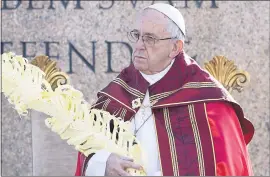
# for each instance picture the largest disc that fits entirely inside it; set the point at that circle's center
(105, 105)
(92, 106)
(123, 113)
(118, 101)
(186, 102)
(154, 117)
(116, 112)
(100, 98)
(197, 139)
(127, 89)
(199, 84)
(131, 90)
(171, 142)
(187, 85)
(213, 147)
(135, 90)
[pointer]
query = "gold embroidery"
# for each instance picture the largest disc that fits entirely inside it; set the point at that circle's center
(117, 112)
(186, 102)
(131, 90)
(99, 98)
(187, 85)
(123, 113)
(105, 105)
(197, 139)
(160, 163)
(118, 101)
(171, 142)
(199, 84)
(211, 138)
(97, 103)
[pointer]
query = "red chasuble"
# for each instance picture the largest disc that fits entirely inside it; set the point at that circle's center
(201, 129)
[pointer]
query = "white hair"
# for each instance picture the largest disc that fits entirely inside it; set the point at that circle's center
(175, 30)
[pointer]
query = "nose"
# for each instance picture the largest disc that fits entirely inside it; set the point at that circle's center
(139, 45)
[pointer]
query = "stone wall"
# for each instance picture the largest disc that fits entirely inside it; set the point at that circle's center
(72, 32)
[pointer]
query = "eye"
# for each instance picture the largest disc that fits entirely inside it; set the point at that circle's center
(149, 38)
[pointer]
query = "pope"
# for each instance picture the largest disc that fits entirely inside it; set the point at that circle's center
(186, 121)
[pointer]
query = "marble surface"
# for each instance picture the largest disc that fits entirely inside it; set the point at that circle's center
(50, 153)
(239, 30)
(16, 143)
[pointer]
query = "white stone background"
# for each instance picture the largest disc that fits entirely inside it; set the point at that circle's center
(239, 30)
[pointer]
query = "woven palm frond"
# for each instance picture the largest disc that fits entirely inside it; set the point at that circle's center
(88, 130)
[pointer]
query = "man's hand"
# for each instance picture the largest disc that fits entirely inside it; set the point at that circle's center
(116, 165)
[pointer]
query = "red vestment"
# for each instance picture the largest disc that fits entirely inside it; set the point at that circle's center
(201, 129)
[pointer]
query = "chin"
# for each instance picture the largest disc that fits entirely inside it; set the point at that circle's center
(140, 67)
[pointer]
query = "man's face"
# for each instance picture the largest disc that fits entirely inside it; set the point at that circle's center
(151, 59)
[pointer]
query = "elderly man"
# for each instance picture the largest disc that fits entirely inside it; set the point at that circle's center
(186, 122)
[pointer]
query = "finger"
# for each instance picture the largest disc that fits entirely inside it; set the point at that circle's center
(123, 173)
(128, 164)
(126, 158)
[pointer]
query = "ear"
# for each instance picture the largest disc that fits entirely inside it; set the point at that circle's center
(177, 48)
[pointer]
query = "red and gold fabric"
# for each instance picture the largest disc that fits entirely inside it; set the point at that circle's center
(201, 129)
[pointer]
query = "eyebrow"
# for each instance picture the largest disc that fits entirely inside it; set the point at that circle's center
(147, 33)
(150, 34)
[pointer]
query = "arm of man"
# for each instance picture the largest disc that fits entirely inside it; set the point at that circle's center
(231, 152)
(104, 163)
(96, 166)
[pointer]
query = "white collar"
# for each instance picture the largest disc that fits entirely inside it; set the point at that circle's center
(153, 78)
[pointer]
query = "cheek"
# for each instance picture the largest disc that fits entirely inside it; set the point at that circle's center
(140, 64)
(156, 55)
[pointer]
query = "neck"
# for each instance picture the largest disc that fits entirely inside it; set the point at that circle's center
(153, 78)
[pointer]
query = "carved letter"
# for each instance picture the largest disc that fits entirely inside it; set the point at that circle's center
(30, 7)
(5, 7)
(199, 3)
(72, 48)
(170, 2)
(65, 3)
(109, 52)
(133, 2)
(24, 50)
(3, 44)
(47, 49)
(101, 7)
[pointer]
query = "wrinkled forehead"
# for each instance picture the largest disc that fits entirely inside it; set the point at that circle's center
(151, 21)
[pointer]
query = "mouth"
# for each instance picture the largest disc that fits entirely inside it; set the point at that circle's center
(139, 57)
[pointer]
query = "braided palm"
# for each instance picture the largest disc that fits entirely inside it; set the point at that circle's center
(87, 129)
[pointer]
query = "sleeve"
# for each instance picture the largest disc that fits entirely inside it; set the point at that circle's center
(78, 166)
(104, 103)
(231, 152)
(97, 164)
(93, 165)
(158, 173)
